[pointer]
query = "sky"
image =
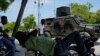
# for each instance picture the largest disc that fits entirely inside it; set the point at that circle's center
(47, 10)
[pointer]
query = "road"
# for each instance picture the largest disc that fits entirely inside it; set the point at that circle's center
(97, 48)
(22, 50)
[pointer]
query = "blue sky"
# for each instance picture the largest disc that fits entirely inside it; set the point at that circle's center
(47, 10)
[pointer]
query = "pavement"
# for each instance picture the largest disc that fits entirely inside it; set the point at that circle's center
(20, 48)
(97, 48)
(24, 53)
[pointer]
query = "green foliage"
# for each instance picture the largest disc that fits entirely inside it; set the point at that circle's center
(89, 6)
(29, 22)
(83, 10)
(9, 26)
(21, 28)
(4, 4)
(92, 17)
(98, 17)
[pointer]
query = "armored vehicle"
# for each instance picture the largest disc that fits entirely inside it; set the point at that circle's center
(64, 17)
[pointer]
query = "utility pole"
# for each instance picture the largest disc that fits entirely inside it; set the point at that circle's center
(39, 4)
(22, 8)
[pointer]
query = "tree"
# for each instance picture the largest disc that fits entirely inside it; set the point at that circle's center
(98, 17)
(82, 10)
(89, 6)
(4, 4)
(21, 28)
(9, 26)
(29, 22)
(92, 17)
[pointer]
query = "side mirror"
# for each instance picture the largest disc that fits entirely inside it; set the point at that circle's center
(4, 20)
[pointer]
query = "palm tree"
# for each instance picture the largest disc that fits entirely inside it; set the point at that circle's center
(23, 5)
